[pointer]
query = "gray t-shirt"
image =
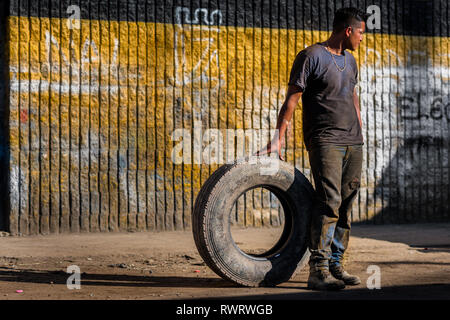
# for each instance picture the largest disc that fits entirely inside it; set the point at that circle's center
(329, 114)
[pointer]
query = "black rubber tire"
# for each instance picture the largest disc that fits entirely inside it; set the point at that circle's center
(211, 221)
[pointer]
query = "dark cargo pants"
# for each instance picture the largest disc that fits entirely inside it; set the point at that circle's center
(337, 173)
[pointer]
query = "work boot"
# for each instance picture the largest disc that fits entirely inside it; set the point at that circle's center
(339, 273)
(321, 279)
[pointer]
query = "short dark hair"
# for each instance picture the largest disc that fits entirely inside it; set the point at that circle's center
(346, 17)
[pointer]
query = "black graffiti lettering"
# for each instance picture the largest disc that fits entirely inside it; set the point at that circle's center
(411, 108)
(419, 106)
(421, 142)
(447, 112)
(405, 104)
(436, 109)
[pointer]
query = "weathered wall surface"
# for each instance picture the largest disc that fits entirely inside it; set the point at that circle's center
(97, 108)
(4, 119)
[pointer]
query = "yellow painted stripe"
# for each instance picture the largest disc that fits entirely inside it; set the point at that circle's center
(102, 101)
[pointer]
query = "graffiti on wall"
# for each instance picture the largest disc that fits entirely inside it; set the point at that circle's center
(407, 130)
(110, 102)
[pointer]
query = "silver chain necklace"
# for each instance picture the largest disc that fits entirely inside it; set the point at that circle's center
(334, 60)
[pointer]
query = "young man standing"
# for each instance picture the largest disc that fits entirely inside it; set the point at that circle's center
(324, 75)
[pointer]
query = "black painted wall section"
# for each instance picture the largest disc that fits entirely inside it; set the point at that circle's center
(404, 17)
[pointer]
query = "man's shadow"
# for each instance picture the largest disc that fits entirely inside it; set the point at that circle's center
(414, 187)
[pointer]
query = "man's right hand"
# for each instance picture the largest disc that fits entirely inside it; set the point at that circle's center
(271, 147)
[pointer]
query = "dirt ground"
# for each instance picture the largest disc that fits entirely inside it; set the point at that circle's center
(414, 263)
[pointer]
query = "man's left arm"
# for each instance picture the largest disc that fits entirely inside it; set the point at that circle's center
(357, 107)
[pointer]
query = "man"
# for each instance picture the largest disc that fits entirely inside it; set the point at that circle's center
(324, 75)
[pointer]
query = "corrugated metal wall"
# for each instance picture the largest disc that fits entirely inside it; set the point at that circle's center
(96, 108)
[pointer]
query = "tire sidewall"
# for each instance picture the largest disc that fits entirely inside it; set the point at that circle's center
(233, 262)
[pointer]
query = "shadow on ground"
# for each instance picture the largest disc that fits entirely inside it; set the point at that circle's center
(425, 237)
(431, 291)
(435, 291)
(93, 279)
